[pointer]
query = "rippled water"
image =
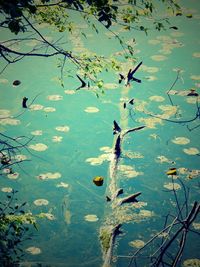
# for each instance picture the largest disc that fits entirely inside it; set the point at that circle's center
(72, 133)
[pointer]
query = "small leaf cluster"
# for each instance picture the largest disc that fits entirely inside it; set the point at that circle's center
(14, 230)
(92, 65)
(8, 151)
(55, 16)
(104, 11)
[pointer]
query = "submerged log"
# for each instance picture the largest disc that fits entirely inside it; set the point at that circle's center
(118, 140)
(117, 148)
(115, 159)
(107, 236)
(109, 232)
(128, 199)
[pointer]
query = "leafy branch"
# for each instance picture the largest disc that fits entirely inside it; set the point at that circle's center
(23, 16)
(14, 229)
(175, 226)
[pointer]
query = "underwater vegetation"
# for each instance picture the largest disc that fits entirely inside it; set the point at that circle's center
(105, 235)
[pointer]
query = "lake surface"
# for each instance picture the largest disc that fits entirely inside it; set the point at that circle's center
(72, 141)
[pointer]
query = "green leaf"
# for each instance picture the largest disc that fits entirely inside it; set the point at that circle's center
(94, 27)
(179, 13)
(35, 226)
(84, 35)
(127, 27)
(120, 41)
(189, 16)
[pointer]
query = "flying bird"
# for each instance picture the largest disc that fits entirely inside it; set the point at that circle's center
(173, 27)
(83, 83)
(129, 76)
(131, 101)
(108, 198)
(131, 73)
(121, 78)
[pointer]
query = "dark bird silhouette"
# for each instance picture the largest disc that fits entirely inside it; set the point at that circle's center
(129, 76)
(108, 198)
(104, 17)
(24, 100)
(116, 128)
(121, 78)
(173, 27)
(192, 93)
(16, 82)
(83, 83)
(131, 101)
(119, 192)
(131, 73)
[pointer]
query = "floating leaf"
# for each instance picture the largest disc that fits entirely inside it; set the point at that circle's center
(172, 171)
(174, 27)
(179, 13)
(127, 27)
(98, 180)
(84, 35)
(189, 16)
(16, 82)
(91, 218)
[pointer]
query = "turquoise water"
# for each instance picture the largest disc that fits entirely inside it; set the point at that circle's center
(72, 153)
